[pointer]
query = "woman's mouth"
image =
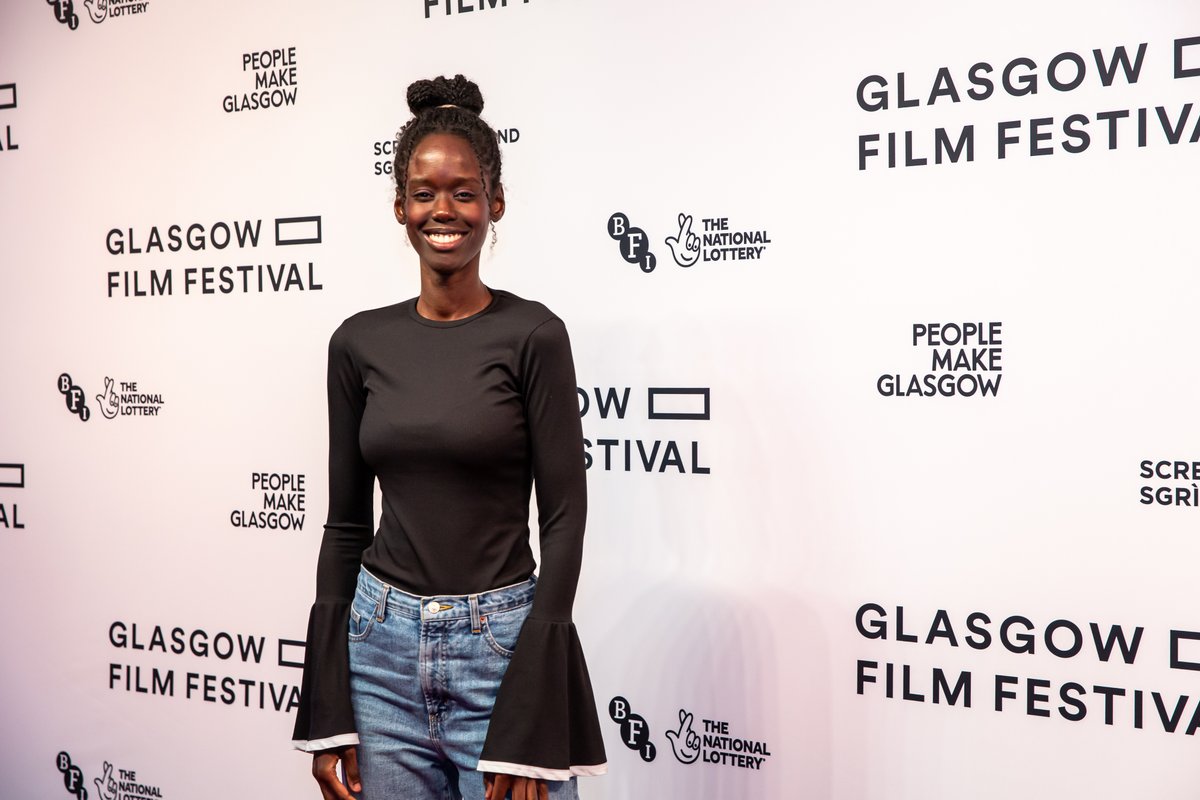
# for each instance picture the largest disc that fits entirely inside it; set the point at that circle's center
(444, 239)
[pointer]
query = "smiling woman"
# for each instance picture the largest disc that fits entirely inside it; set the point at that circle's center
(447, 208)
(438, 665)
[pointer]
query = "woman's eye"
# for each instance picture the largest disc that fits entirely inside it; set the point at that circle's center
(465, 196)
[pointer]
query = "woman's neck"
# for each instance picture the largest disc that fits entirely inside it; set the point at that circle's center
(451, 297)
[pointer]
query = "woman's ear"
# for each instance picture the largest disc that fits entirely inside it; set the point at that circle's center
(497, 204)
(399, 207)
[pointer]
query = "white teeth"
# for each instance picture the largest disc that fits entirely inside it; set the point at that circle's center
(444, 238)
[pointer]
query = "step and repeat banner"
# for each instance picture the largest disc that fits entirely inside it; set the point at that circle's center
(884, 318)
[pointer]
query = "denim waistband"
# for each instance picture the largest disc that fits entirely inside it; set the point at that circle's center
(445, 606)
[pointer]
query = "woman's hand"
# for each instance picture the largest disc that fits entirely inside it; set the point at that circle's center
(324, 769)
(496, 786)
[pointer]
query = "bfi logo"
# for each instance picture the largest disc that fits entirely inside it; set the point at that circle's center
(635, 731)
(633, 242)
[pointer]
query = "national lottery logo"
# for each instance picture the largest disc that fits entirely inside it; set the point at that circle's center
(114, 783)
(706, 741)
(120, 398)
(692, 241)
(685, 245)
(97, 10)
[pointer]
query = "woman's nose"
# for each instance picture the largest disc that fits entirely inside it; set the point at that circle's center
(443, 208)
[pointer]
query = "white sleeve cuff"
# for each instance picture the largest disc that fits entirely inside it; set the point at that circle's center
(313, 745)
(526, 771)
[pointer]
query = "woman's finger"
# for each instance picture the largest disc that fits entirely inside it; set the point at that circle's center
(350, 767)
(325, 771)
(500, 786)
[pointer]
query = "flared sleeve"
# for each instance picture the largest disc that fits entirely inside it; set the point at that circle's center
(325, 718)
(544, 723)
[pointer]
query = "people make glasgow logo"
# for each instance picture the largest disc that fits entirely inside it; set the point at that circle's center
(97, 10)
(691, 241)
(710, 743)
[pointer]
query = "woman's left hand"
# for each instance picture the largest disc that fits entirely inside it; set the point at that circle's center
(496, 786)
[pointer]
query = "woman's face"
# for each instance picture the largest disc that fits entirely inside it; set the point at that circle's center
(446, 207)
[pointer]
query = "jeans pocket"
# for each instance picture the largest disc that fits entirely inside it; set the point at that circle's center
(362, 617)
(502, 629)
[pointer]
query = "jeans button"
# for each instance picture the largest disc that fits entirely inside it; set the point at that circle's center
(433, 607)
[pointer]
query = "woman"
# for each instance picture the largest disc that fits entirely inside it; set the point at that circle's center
(430, 655)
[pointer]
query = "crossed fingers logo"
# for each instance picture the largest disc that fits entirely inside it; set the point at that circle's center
(685, 741)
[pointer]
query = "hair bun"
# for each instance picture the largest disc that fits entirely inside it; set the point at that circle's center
(456, 91)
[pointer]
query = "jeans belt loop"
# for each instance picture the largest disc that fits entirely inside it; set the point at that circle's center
(381, 605)
(476, 624)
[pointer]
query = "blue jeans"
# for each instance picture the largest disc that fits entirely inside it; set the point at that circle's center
(424, 673)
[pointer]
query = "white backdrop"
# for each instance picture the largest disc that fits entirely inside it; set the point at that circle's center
(737, 529)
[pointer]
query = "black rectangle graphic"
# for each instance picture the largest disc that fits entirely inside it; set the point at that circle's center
(12, 476)
(675, 403)
(8, 95)
(288, 662)
(298, 230)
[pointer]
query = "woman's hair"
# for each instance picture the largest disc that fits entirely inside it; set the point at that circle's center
(448, 105)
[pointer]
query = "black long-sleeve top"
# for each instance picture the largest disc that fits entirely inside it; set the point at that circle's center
(458, 420)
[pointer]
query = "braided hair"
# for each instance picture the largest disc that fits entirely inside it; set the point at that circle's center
(448, 105)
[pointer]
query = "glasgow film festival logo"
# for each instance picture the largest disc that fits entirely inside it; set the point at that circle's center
(1149, 122)
(663, 435)
(204, 665)
(173, 250)
(690, 242)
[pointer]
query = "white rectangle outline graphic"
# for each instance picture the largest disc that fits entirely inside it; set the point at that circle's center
(291, 643)
(655, 393)
(1177, 660)
(1180, 46)
(303, 224)
(20, 472)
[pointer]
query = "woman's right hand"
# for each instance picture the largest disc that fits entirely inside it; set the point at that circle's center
(324, 769)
